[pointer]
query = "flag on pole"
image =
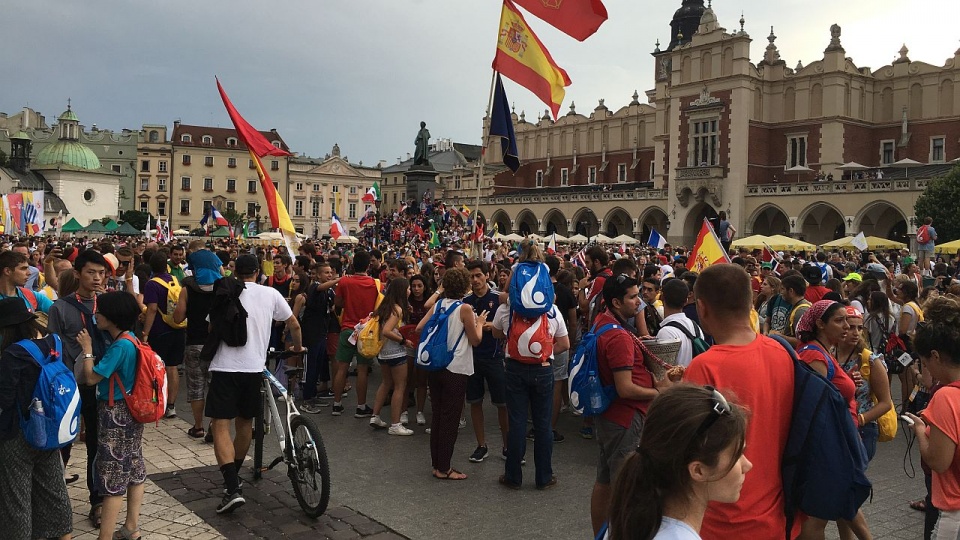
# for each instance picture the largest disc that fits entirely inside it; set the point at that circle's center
(656, 240)
(522, 58)
(465, 211)
(552, 245)
(373, 194)
(215, 215)
(860, 241)
(259, 146)
(146, 231)
(577, 19)
(29, 214)
(478, 235)
(707, 250)
(4, 215)
(368, 217)
(496, 229)
(38, 215)
(434, 237)
(16, 212)
(336, 228)
(501, 125)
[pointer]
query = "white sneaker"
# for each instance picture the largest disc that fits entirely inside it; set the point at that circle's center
(427, 431)
(398, 429)
(421, 419)
(376, 422)
(463, 423)
(404, 418)
(171, 413)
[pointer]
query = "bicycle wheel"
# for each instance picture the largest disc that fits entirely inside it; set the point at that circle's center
(310, 472)
(259, 431)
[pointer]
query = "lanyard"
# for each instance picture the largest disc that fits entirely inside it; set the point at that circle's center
(83, 319)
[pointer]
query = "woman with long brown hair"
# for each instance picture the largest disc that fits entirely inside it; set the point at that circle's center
(392, 313)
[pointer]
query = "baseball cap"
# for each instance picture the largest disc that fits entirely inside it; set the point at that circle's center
(853, 276)
(767, 265)
(247, 264)
(876, 268)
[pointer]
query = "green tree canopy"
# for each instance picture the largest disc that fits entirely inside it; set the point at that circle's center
(940, 201)
(232, 216)
(137, 219)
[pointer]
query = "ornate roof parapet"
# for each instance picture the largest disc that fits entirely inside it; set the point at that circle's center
(834, 40)
(772, 55)
(904, 59)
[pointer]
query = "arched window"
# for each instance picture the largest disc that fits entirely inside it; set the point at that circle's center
(154, 136)
(186, 138)
(207, 139)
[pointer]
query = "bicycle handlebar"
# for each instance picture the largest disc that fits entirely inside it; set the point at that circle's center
(284, 354)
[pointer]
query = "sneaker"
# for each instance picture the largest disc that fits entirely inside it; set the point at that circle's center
(479, 454)
(230, 502)
(427, 431)
(530, 435)
(171, 413)
(463, 423)
(239, 486)
(312, 407)
(398, 429)
(575, 412)
(503, 456)
(557, 437)
(586, 433)
(421, 419)
(404, 418)
(363, 412)
(327, 394)
(377, 422)
(337, 410)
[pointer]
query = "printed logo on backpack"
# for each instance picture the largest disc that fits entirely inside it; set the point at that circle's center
(531, 291)
(528, 339)
(588, 395)
(433, 354)
(53, 419)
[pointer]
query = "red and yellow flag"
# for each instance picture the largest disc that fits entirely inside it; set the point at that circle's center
(578, 19)
(259, 146)
(523, 58)
(707, 250)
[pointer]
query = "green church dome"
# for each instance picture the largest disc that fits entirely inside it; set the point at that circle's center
(69, 115)
(67, 154)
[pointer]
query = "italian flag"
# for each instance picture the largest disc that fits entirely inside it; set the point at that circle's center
(372, 194)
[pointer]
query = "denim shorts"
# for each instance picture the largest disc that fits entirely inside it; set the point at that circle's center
(393, 362)
(616, 445)
(561, 363)
(489, 370)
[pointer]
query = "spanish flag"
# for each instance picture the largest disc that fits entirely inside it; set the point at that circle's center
(259, 146)
(522, 58)
(707, 250)
(578, 19)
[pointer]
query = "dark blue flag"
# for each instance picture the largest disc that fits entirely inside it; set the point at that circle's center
(501, 125)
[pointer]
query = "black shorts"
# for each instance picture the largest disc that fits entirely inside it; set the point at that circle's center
(170, 347)
(233, 395)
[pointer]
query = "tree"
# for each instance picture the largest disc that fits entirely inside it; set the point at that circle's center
(940, 200)
(233, 217)
(137, 219)
(3, 158)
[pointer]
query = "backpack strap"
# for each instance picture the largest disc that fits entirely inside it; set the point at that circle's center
(30, 296)
(678, 326)
(826, 358)
(35, 352)
(166, 285)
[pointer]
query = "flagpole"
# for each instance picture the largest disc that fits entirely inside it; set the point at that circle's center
(483, 156)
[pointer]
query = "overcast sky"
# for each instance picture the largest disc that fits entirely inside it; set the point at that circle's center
(364, 73)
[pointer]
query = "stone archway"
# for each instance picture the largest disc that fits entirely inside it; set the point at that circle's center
(653, 218)
(884, 220)
(585, 222)
(821, 223)
(501, 220)
(555, 222)
(691, 226)
(769, 220)
(617, 222)
(527, 223)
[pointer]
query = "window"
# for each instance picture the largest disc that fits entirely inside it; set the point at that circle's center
(154, 136)
(116, 169)
(353, 190)
(144, 165)
(622, 173)
(161, 208)
(186, 159)
(231, 162)
(144, 184)
(315, 210)
(208, 184)
(232, 205)
(352, 211)
(231, 141)
(539, 178)
(276, 186)
(251, 186)
(208, 161)
(456, 182)
(206, 207)
(275, 165)
(144, 206)
(184, 207)
(336, 188)
(653, 170)
(206, 139)
(591, 175)
(298, 208)
(705, 143)
(251, 209)
(315, 187)
(797, 151)
(299, 186)
(162, 166)
(231, 185)
(564, 177)
(394, 197)
(886, 152)
(186, 138)
(276, 143)
(185, 183)
(252, 166)
(936, 150)
(161, 184)
(333, 206)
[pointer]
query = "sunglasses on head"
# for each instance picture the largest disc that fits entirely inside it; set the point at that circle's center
(621, 278)
(719, 408)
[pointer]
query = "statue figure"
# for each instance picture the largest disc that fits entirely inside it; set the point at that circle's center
(422, 143)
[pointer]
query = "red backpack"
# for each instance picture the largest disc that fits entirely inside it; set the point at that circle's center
(528, 339)
(147, 400)
(923, 235)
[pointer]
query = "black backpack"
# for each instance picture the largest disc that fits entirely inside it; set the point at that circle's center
(228, 318)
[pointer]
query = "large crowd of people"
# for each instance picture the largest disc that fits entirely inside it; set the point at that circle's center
(686, 449)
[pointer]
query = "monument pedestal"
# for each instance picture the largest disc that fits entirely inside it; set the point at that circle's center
(420, 179)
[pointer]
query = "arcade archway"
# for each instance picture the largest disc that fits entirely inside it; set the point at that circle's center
(617, 222)
(821, 223)
(769, 220)
(555, 222)
(884, 220)
(585, 222)
(527, 223)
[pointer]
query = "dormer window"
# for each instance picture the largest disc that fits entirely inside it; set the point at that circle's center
(207, 139)
(186, 138)
(231, 141)
(276, 143)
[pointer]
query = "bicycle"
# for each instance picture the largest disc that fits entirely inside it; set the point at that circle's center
(301, 446)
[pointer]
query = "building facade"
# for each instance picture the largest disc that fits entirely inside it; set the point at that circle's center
(808, 151)
(457, 168)
(154, 168)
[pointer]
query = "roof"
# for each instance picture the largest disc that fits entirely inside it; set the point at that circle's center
(69, 115)
(470, 151)
(219, 136)
(443, 161)
(67, 154)
(34, 181)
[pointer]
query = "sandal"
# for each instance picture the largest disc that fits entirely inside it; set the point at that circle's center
(919, 505)
(196, 432)
(95, 515)
(126, 534)
(71, 479)
(452, 474)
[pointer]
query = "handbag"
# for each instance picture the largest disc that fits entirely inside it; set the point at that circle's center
(888, 424)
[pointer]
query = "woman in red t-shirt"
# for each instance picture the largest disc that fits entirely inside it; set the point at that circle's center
(820, 330)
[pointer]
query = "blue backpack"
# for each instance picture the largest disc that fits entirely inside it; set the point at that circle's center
(54, 414)
(587, 393)
(432, 352)
(531, 291)
(824, 463)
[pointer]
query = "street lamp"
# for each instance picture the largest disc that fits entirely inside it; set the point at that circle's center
(257, 217)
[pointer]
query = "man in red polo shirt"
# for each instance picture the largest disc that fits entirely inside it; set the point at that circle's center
(356, 295)
(621, 364)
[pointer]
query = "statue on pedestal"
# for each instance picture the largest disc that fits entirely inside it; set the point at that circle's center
(422, 143)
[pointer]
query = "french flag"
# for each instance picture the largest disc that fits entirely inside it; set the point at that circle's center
(218, 218)
(336, 228)
(656, 240)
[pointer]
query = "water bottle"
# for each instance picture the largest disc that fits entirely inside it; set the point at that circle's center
(38, 424)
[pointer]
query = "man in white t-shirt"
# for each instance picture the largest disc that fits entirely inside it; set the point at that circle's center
(235, 377)
(674, 295)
